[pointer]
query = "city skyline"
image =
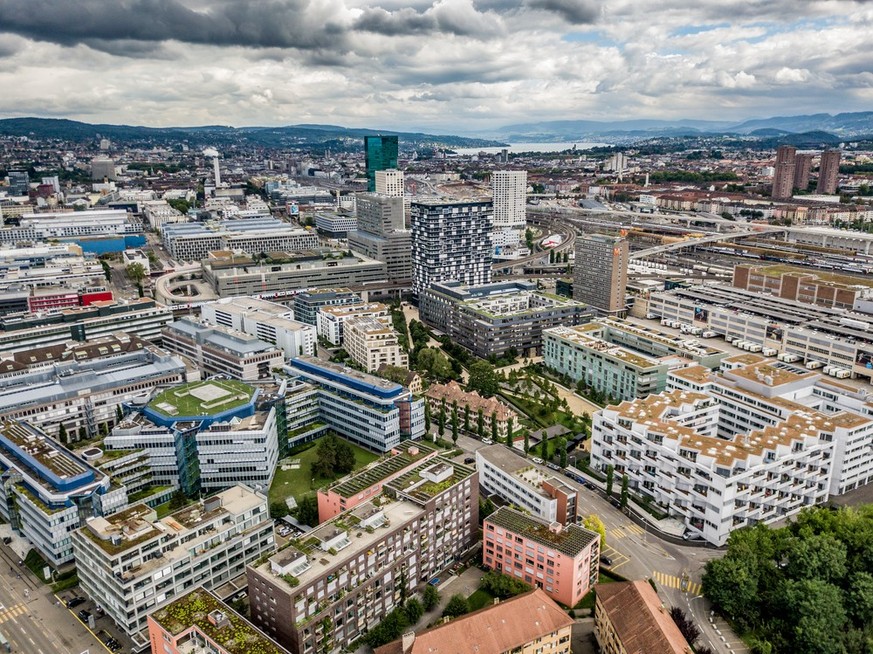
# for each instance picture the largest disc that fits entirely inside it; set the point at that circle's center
(459, 65)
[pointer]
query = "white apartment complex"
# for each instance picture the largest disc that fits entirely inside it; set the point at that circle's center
(389, 182)
(509, 188)
(330, 320)
(753, 444)
(372, 343)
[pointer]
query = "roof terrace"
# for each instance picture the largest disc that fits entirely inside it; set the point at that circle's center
(570, 540)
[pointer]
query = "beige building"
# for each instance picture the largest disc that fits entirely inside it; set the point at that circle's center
(471, 403)
(629, 618)
(526, 624)
(600, 274)
(372, 343)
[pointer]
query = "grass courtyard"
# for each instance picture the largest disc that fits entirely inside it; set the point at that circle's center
(202, 398)
(299, 482)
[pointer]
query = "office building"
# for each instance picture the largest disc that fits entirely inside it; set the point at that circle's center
(372, 343)
(381, 233)
(600, 274)
(268, 321)
(200, 622)
(103, 169)
(96, 231)
(331, 320)
(451, 242)
(497, 319)
(194, 241)
(511, 476)
(804, 285)
(19, 183)
(563, 561)
(208, 435)
(828, 172)
(221, 350)
(509, 190)
(380, 153)
(138, 563)
(470, 405)
(755, 443)
(230, 275)
(368, 410)
(389, 182)
(354, 569)
(46, 490)
(159, 213)
(784, 172)
(527, 624)
(335, 224)
(306, 304)
(630, 617)
(802, 169)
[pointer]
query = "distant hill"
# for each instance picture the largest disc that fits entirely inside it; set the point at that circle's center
(291, 136)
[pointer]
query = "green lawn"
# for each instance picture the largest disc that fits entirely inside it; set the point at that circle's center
(480, 599)
(217, 396)
(298, 483)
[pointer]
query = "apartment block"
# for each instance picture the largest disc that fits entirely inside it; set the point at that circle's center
(194, 241)
(504, 473)
(220, 350)
(527, 624)
(200, 622)
(46, 490)
(833, 290)
(268, 321)
(138, 563)
(368, 410)
(828, 172)
(509, 190)
(348, 493)
(630, 617)
(389, 182)
(752, 444)
(371, 343)
(784, 172)
(450, 242)
(352, 570)
(307, 303)
(331, 320)
(563, 561)
(495, 319)
(601, 279)
(470, 406)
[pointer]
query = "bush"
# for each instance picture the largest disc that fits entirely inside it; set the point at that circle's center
(503, 586)
(457, 606)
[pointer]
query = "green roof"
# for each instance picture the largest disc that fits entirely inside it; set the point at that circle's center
(381, 471)
(571, 540)
(406, 483)
(202, 398)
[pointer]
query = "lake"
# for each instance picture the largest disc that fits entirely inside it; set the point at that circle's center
(532, 147)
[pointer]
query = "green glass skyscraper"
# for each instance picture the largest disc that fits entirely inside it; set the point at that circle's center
(380, 154)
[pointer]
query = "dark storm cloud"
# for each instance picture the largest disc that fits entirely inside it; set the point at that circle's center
(261, 24)
(445, 18)
(396, 23)
(576, 12)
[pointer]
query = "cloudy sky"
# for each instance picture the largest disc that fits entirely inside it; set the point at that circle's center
(460, 66)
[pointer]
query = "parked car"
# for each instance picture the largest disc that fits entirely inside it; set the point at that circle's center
(553, 466)
(488, 441)
(84, 615)
(75, 601)
(605, 560)
(470, 459)
(537, 460)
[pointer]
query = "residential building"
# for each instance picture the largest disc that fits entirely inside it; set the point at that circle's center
(619, 359)
(354, 569)
(230, 275)
(221, 350)
(331, 320)
(804, 285)
(784, 172)
(497, 319)
(509, 189)
(528, 624)
(368, 410)
(752, 444)
(389, 182)
(828, 171)
(193, 241)
(371, 343)
(83, 394)
(268, 321)
(199, 621)
(138, 563)
(349, 492)
(403, 376)
(630, 617)
(470, 406)
(208, 435)
(563, 561)
(802, 169)
(515, 480)
(380, 153)
(602, 280)
(450, 242)
(307, 303)
(46, 490)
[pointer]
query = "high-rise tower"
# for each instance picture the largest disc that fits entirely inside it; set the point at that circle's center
(828, 170)
(600, 274)
(380, 153)
(509, 188)
(783, 175)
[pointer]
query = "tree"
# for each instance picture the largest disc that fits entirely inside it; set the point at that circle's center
(820, 556)
(526, 441)
(510, 428)
(503, 586)
(333, 457)
(486, 507)
(544, 449)
(441, 420)
(430, 597)
(494, 434)
(457, 606)
(686, 626)
(413, 610)
(732, 585)
(136, 272)
(624, 492)
(610, 473)
(480, 424)
(62, 433)
(177, 500)
(483, 379)
(529, 239)
(426, 416)
(107, 270)
(307, 510)
(119, 413)
(593, 522)
(816, 611)
(278, 510)
(467, 418)
(859, 600)
(455, 424)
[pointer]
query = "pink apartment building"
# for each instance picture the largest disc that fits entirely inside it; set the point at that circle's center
(349, 492)
(562, 560)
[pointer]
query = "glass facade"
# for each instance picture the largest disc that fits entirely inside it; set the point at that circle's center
(380, 154)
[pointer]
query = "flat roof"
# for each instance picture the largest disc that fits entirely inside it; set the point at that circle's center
(569, 540)
(409, 453)
(203, 398)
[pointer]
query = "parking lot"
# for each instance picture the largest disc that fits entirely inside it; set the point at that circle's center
(92, 616)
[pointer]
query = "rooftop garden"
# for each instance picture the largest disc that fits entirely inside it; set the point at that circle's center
(202, 398)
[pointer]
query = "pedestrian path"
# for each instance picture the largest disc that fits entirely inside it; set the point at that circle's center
(672, 581)
(11, 612)
(626, 530)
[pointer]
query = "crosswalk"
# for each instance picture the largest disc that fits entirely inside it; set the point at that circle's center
(618, 533)
(672, 581)
(11, 612)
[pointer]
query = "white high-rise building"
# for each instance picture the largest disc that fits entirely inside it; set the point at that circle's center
(390, 182)
(510, 195)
